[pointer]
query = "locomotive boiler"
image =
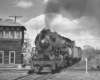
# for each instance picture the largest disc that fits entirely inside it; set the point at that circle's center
(52, 50)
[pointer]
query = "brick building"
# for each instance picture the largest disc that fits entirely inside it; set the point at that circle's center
(11, 41)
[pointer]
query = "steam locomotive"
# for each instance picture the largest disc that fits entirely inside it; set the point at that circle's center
(54, 51)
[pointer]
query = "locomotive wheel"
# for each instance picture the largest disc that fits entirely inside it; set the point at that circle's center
(57, 69)
(65, 65)
(79, 59)
(53, 71)
(37, 69)
(30, 71)
(66, 62)
(70, 62)
(74, 60)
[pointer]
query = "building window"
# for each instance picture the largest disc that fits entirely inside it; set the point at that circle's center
(12, 57)
(15, 33)
(1, 57)
(6, 32)
(18, 34)
(1, 34)
(11, 34)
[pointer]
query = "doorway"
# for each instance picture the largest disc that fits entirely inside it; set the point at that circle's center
(12, 57)
(1, 57)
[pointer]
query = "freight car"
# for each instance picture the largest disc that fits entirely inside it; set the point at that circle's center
(53, 51)
(77, 54)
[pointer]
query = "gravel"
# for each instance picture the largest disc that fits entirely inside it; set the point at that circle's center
(75, 72)
(78, 75)
(10, 75)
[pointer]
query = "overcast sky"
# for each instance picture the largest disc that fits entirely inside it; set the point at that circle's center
(84, 29)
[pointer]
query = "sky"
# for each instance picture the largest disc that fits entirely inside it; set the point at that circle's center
(73, 19)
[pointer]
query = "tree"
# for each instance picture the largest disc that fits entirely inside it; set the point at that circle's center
(88, 51)
(88, 47)
(27, 46)
(26, 51)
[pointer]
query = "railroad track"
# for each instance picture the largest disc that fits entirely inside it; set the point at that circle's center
(39, 77)
(18, 78)
(45, 76)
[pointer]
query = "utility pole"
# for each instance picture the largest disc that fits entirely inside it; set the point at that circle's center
(89, 55)
(15, 17)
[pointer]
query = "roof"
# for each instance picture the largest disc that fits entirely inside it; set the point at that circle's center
(11, 23)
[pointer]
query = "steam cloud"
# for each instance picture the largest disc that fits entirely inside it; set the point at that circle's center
(76, 9)
(85, 12)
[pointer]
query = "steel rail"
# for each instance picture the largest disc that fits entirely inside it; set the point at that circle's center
(18, 78)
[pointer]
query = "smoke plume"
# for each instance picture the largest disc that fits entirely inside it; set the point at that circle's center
(76, 8)
(52, 8)
(48, 19)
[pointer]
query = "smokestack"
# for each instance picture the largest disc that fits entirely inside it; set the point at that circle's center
(48, 19)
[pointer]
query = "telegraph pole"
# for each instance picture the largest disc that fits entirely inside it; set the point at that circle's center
(86, 65)
(89, 55)
(15, 17)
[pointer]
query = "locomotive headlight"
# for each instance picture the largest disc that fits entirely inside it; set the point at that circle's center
(42, 41)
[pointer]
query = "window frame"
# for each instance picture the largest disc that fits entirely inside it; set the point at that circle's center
(10, 35)
(2, 57)
(20, 33)
(10, 57)
(2, 34)
(5, 34)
